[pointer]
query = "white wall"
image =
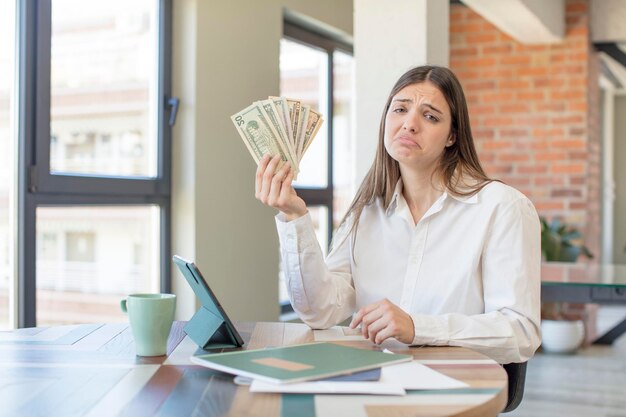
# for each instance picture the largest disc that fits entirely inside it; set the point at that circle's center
(225, 55)
(389, 38)
(607, 20)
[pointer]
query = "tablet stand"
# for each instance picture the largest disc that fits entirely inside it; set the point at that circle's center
(209, 330)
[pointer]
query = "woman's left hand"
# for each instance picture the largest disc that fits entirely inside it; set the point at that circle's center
(382, 320)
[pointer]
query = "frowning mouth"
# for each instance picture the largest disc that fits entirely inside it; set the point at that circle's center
(407, 140)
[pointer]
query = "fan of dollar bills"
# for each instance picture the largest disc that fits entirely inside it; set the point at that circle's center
(280, 126)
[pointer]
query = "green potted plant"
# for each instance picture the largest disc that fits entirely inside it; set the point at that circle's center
(562, 332)
(561, 242)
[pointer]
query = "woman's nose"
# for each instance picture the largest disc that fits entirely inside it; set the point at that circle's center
(411, 123)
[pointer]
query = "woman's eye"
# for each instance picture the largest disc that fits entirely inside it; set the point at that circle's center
(431, 117)
(399, 110)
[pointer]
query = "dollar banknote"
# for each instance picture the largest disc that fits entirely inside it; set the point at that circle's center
(294, 117)
(283, 110)
(304, 115)
(313, 125)
(284, 142)
(258, 135)
(278, 126)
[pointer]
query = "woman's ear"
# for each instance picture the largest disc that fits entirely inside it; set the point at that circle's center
(451, 140)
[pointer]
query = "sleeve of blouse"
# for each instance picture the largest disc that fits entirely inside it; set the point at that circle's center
(509, 329)
(321, 291)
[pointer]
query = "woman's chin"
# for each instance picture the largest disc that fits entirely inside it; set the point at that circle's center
(403, 155)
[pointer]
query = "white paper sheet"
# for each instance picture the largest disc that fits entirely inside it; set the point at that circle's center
(337, 333)
(394, 380)
(327, 387)
(414, 375)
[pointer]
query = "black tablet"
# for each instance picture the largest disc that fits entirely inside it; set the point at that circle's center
(210, 327)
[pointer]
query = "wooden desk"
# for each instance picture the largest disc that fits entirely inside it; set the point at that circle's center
(92, 370)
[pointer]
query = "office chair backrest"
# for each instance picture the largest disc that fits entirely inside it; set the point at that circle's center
(517, 377)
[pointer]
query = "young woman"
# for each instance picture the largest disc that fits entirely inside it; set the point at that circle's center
(431, 251)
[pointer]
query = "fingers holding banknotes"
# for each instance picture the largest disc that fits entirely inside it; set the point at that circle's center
(277, 132)
(275, 189)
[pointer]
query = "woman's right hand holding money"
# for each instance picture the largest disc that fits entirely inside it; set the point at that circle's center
(275, 190)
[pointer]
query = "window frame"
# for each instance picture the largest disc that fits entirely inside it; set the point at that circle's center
(296, 29)
(37, 187)
(307, 36)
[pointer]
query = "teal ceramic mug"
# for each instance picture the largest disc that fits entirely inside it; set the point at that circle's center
(151, 317)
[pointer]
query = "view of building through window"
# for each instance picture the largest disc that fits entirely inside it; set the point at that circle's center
(89, 258)
(103, 87)
(7, 159)
(343, 139)
(304, 76)
(102, 122)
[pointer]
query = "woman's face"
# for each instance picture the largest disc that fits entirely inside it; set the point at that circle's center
(417, 126)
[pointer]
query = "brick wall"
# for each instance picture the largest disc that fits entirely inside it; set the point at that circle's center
(534, 113)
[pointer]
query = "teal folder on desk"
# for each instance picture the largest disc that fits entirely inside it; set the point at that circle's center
(299, 362)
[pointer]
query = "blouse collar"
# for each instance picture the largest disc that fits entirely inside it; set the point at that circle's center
(398, 201)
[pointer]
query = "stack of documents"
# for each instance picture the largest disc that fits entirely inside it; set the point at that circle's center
(278, 126)
(289, 364)
(394, 380)
(302, 369)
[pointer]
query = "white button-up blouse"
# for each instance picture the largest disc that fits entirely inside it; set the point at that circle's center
(468, 272)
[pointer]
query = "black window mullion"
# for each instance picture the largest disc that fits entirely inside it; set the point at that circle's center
(96, 200)
(164, 165)
(299, 34)
(164, 168)
(330, 155)
(47, 183)
(27, 102)
(165, 229)
(43, 35)
(316, 196)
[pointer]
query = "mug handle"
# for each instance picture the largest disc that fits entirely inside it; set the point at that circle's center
(123, 305)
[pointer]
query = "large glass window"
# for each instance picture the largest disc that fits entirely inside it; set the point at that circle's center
(318, 70)
(304, 76)
(103, 87)
(7, 158)
(96, 168)
(89, 258)
(343, 138)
